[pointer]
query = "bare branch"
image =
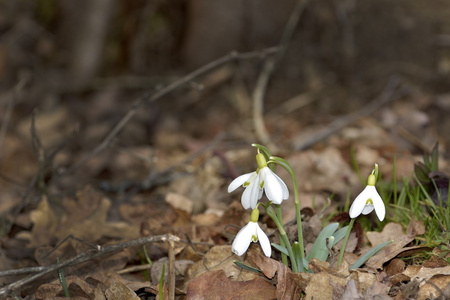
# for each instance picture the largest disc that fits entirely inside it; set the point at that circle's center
(389, 93)
(269, 66)
(233, 56)
(81, 258)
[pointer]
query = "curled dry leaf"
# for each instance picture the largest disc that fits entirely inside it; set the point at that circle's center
(290, 285)
(212, 284)
(428, 279)
(392, 231)
(396, 266)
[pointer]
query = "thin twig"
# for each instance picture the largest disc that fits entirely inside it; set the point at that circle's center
(147, 98)
(83, 257)
(167, 175)
(37, 149)
(6, 118)
(135, 269)
(45, 161)
(389, 93)
(414, 140)
(269, 66)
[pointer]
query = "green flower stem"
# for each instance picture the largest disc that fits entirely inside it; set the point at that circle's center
(341, 255)
(283, 237)
(280, 218)
(288, 168)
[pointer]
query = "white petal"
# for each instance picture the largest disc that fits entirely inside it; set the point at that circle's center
(239, 181)
(244, 238)
(264, 241)
(371, 193)
(367, 209)
(283, 186)
(358, 205)
(378, 203)
(273, 189)
(260, 193)
(250, 195)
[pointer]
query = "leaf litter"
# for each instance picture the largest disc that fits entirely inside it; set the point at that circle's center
(210, 270)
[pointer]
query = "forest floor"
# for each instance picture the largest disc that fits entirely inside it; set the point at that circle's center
(156, 196)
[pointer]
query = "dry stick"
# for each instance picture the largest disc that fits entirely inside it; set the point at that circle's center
(269, 67)
(134, 269)
(388, 94)
(83, 257)
(37, 179)
(414, 140)
(233, 56)
(171, 271)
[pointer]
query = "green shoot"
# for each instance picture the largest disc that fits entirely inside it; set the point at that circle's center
(368, 255)
(62, 279)
(248, 268)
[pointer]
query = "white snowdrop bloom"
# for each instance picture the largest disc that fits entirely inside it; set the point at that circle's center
(263, 179)
(367, 201)
(251, 233)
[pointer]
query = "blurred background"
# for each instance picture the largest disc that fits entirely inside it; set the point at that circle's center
(79, 66)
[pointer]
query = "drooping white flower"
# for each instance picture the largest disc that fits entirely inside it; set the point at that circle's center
(368, 200)
(251, 233)
(263, 179)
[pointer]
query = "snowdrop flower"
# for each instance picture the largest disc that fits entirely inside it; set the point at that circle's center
(251, 233)
(368, 200)
(263, 179)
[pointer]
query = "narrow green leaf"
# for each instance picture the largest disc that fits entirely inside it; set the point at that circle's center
(161, 282)
(280, 248)
(298, 257)
(62, 279)
(248, 268)
(368, 255)
(319, 250)
(147, 257)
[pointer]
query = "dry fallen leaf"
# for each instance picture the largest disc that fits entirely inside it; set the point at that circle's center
(433, 287)
(325, 286)
(119, 291)
(212, 284)
(289, 285)
(392, 231)
(83, 217)
(76, 286)
(220, 258)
